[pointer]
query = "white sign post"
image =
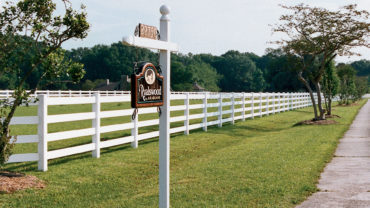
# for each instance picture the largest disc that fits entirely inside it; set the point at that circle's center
(165, 47)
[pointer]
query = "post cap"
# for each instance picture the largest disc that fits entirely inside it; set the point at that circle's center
(165, 10)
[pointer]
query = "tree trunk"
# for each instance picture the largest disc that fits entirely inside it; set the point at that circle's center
(304, 81)
(329, 106)
(326, 98)
(5, 145)
(319, 104)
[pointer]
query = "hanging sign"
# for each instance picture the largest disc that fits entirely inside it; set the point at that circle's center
(147, 31)
(146, 87)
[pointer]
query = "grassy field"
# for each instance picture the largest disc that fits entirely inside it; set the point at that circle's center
(265, 162)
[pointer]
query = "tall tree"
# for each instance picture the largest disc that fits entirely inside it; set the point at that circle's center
(316, 36)
(31, 35)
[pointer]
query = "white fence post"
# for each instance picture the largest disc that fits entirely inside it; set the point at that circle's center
(243, 107)
(273, 103)
(205, 112)
(252, 105)
(220, 110)
(305, 100)
(42, 133)
(260, 105)
(186, 122)
(135, 130)
(232, 108)
(268, 103)
(291, 101)
(96, 125)
(279, 108)
(296, 100)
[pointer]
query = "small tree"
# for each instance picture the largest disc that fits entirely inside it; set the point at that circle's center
(346, 74)
(330, 85)
(316, 36)
(361, 87)
(30, 39)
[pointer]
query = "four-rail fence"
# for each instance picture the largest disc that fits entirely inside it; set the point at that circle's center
(191, 111)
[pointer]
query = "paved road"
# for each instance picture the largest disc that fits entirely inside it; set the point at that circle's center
(345, 181)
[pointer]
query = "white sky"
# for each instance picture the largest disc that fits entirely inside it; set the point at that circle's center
(199, 26)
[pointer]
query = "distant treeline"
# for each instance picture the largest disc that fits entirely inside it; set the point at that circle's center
(230, 72)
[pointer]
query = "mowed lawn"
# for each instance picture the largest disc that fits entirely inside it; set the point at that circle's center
(265, 162)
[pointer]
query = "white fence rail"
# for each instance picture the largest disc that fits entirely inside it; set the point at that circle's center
(67, 93)
(240, 106)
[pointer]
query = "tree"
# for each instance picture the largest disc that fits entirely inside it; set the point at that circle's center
(276, 67)
(31, 36)
(181, 79)
(362, 67)
(239, 73)
(188, 69)
(361, 87)
(346, 74)
(316, 36)
(205, 75)
(330, 85)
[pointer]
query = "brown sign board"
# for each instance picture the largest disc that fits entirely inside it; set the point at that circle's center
(146, 87)
(147, 31)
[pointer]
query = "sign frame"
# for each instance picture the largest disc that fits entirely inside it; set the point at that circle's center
(140, 86)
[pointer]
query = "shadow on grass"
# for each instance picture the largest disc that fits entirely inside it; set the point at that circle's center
(22, 167)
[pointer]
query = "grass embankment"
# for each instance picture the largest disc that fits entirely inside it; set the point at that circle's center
(266, 162)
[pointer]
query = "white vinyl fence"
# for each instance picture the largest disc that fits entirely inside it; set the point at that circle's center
(229, 108)
(67, 93)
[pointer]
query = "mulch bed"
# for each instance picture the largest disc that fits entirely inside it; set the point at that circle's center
(11, 182)
(332, 116)
(319, 122)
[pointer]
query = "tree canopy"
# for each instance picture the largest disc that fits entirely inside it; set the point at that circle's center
(317, 35)
(31, 35)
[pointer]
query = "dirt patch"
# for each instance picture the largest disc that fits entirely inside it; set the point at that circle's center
(11, 182)
(318, 122)
(332, 116)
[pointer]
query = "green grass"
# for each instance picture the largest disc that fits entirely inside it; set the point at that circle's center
(265, 162)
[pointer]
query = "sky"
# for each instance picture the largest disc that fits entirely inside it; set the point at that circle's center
(200, 26)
